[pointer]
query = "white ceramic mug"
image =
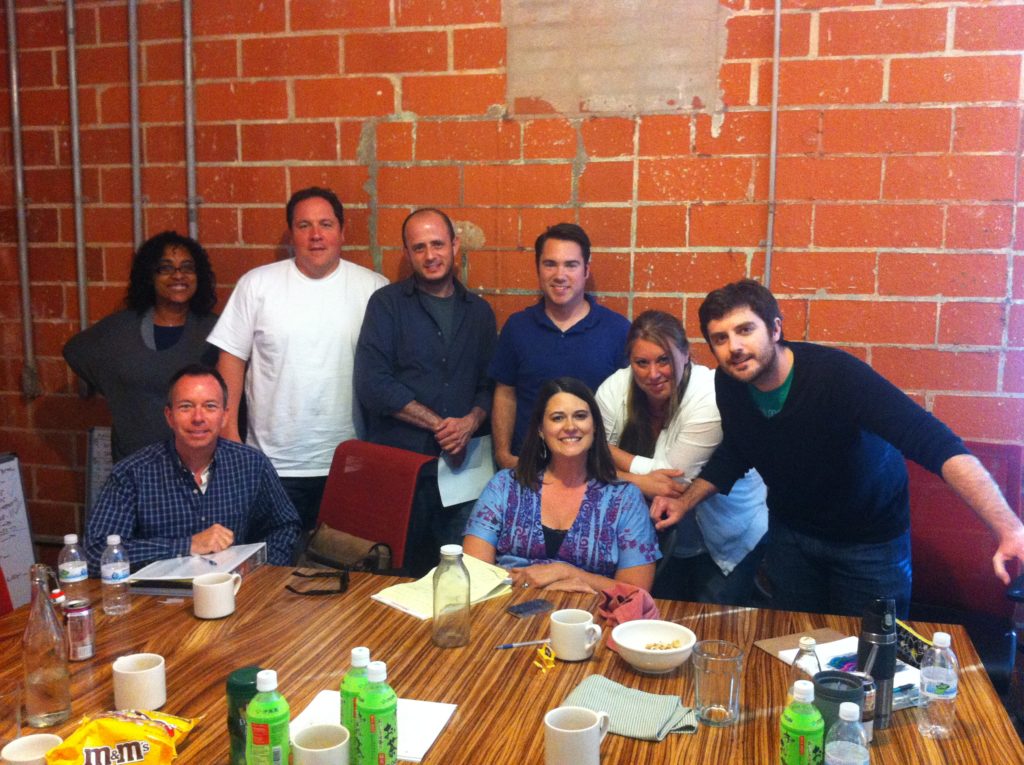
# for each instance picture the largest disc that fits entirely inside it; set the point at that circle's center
(325, 744)
(140, 681)
(30, 750)
(573, 634)
(213, 595)
(574, 735)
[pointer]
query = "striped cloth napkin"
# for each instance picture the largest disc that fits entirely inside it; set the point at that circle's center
(633, 713)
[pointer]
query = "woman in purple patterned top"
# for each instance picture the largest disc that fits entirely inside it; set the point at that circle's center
(560, 519)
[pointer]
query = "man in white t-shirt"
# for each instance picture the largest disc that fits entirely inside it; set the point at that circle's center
(295, 324)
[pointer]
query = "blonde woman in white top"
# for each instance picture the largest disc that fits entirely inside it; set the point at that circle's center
(663, 425)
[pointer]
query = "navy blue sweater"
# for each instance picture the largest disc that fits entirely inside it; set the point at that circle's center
(832, 457)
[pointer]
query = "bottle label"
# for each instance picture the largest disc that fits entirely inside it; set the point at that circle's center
(115, 573)
(940, 688)
(260, 734)
(73, 571)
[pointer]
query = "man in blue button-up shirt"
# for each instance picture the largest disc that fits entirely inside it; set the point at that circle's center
(197, 493)
(421, 369)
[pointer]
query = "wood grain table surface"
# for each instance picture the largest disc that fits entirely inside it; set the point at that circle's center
(501, 697)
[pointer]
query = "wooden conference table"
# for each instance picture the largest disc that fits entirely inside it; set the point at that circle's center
(501, 697)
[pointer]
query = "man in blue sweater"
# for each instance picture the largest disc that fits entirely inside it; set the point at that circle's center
(829, 435)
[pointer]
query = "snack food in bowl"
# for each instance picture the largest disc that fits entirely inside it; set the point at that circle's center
(654, 646)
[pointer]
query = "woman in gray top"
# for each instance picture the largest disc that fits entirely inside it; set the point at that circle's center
(131, 355)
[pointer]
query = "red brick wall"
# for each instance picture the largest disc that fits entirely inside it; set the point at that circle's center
(900, 233)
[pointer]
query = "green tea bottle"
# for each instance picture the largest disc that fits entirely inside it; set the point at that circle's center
(378, 719)
(352, 684)
(266, 729)
(801, 730)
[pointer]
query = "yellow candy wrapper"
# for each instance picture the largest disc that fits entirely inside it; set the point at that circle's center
(123, 738)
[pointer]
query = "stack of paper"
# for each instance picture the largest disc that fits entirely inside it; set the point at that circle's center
(174, 576)
(486, 581)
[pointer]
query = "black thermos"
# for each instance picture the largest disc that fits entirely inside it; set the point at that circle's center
(876, 653)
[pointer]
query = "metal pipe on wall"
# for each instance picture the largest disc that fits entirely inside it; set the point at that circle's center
(190, 123)
(76, 167)
(133, 105)
(773, 150)
(29, 374)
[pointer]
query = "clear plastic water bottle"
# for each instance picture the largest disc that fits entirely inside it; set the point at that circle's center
(939, 680)
(805, 664)
(847, 740)
(114, 568)
(72, 568)
(451, 599)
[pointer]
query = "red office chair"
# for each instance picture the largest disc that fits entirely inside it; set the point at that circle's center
(370, 492)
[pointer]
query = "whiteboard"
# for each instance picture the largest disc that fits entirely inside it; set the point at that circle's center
(16, 551)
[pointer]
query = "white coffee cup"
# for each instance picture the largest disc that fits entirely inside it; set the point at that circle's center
(573, 634)
(325, 744)
(140, 681)
(213, 595)
(574, 735)
(30, 750)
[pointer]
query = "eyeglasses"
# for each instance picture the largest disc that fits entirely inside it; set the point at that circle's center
(342, 577)
(166, 269)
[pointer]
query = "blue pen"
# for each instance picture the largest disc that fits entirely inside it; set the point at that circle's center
(520, 645)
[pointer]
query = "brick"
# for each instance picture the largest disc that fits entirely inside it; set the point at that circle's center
(418, 185)
(912, 369)
(157, 21)
(1019, 236)
(829, 177)
(694, 178)
(220, 101)
(664, 134)
(218, 225)
(35, 448)
(830, 81)
(901, 273)
(950, 177)
(875, 32)
(979, 226)
(805, 4)
(453, 94)
(613, 303)
(527, 105)
(969, 78)
(48, 185)
(740, 133)
(734, 83)
(752, 36)
(497, 227)
(690, 272)
(609, 226)
(238, 17)
(479, 48)
(105, 146)
(877, 225)
(992, 28)
(51, 264)
(162, 62)
(63, 413)
(1016, 327)
(368, 52)
(606, 182)
(163, 185)
(344, 97)
(833, 272)
(670, 305)
(986, 128)
(290, 56)
(971, 323)
(415, 13)
(37, 69)
(472, 140)
(607, 136)
(517, 184)
(232, 263)
(859, 321)
(394, 141)
(263, 225)
(982, 417)
(549, 139)
(534, 220)
(505, 305)
(43, 107)
(214, 143)
(41, 29)
(886, 130)
(241, 184)
(729, 225)
(304, 141)
(1013, 373)
(661, 226)
(59, 484)
(609, 272)
(501, 269)
(347, 181)
(793, 225)
(318, 15)
(38, 147)
(102, 65)
(215, 58)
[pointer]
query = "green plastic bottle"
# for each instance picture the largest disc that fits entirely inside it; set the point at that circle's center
(801, 730)
(352, 684)
(266, 729)
(378, 718)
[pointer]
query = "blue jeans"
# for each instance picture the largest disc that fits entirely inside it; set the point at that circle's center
(806, 573)
(699, 579)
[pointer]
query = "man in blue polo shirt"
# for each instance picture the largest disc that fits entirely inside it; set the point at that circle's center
(565, 333)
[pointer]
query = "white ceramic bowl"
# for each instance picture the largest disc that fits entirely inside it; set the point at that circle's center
(632, 637)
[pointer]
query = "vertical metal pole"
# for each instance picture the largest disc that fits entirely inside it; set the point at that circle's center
(29, 375)
(76, 167)
(190, 124)
(773, 151)
(133, 78)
